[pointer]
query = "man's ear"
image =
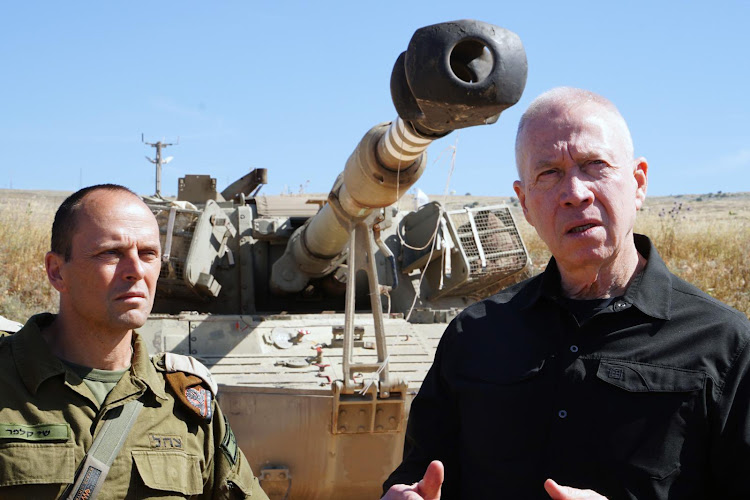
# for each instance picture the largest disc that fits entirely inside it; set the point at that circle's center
(518, 188)
(641, 178)
(53, 263)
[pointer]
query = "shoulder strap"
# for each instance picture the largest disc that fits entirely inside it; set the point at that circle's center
(102, 453)
(188, 364)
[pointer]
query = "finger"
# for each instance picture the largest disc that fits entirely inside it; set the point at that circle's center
(402, 492)
(554, 490)
(558, 492)
(429, 486)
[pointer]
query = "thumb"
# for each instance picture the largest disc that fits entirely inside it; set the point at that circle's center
(429, 486)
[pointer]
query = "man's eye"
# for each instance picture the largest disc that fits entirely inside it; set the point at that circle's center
(546, 174)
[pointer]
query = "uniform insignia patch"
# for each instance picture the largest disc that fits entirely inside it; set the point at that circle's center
(192, 392)
(229, 443)
(200, 399)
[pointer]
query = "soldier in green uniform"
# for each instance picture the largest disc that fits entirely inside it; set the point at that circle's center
(84, 411)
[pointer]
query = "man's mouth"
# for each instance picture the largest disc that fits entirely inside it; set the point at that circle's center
(580, 229)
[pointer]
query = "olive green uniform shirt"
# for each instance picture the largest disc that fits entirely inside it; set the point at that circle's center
(49, 418)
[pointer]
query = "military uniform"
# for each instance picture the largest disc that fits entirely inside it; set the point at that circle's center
(181, 445)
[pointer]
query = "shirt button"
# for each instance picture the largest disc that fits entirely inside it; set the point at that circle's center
(574, 348)
(562, 414)
(620, 305)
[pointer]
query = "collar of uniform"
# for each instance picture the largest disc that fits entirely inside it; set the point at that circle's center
(34, 360)
(651, 291)
(144, 370)
(546, 285)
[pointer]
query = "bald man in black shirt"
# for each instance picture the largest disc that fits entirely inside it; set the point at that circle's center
(604, 377)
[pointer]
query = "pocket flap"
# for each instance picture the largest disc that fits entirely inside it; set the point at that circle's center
(36, 463)
(643, 377)
(169, 471)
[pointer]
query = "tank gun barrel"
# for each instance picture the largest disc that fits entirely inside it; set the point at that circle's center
(453, 75)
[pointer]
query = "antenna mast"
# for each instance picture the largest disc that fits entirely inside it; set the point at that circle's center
(158, 161)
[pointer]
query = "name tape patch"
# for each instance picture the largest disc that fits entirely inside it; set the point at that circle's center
(39, 432)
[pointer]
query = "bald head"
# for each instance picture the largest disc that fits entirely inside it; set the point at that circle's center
(64, 225)
(557, 105)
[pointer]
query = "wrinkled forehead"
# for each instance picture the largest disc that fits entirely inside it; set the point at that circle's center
(586, 129)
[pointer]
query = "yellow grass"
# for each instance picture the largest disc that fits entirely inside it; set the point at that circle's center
(712, 253)
(708, 246)
(24, 239)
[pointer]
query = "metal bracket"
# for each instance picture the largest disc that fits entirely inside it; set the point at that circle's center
(477, 240)
(374, 405)
(362, 256)
(368, 413)
(276, 481)
(170, 231)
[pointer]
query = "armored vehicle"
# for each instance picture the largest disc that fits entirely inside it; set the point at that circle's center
(319, 318)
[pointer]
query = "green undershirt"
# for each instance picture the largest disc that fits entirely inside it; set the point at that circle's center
(100, 382)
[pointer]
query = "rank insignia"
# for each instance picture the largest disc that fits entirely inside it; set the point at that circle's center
(193, 394)
(200, 399)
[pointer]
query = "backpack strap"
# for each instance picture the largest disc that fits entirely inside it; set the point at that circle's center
(106, 446)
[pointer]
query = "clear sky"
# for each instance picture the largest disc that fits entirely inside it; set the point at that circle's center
(292, 87)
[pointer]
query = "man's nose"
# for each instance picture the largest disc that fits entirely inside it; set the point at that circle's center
(575, 191)
(132, 266)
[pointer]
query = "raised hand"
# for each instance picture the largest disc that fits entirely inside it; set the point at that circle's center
(426, 489)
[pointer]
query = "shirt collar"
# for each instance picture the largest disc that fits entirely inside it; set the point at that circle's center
(650, 291)
(143, 369)
(36, 363)
(34, 360)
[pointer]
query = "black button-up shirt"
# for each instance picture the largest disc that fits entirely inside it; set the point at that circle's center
(649, 398)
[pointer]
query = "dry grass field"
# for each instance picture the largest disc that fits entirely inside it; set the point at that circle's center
(705, 239)
(25, 222)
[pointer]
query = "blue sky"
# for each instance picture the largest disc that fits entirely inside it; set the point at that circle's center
(292, 87)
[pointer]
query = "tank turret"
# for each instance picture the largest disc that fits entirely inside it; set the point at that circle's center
(319, 317)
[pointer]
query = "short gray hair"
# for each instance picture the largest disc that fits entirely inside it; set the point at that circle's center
(565, 98)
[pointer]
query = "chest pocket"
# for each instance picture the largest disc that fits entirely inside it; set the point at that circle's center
(36, 463)
(502, 408)
(650, 411)
(641, 377)
(170, 471)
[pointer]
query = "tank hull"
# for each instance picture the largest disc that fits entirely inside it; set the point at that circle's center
(283, 405)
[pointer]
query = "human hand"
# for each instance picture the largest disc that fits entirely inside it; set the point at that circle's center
(427, 489)
(557, 492)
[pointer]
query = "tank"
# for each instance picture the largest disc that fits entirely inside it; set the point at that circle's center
(319, 317)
